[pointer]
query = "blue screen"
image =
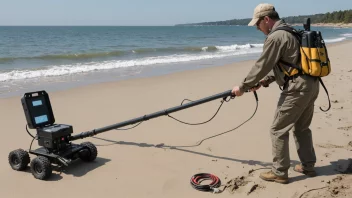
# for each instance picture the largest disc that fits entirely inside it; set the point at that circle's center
(37, 103)
(41, 119)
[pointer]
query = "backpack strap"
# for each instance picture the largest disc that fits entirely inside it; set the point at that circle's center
(296, 34)
(291, 65)
(321, 82)
(291, 30)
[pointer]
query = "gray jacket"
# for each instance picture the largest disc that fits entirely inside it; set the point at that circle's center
(278, 45)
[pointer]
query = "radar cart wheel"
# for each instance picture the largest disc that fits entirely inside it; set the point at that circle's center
(18, 159)
(41, 167)
(90, 153)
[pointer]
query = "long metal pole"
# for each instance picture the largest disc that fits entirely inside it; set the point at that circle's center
(151, 116)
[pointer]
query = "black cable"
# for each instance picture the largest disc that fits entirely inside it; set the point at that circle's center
(131, 127)
(34, 137)
(312, 190)
(30, 147)
(222, 102)
(255, 111)
(256, 97)
(184, 100)
(29, 132)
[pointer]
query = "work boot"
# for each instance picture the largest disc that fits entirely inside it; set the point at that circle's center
(300, 169)
(270, 176)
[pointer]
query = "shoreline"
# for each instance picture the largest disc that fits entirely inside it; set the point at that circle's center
(337, 25)
(76, 82)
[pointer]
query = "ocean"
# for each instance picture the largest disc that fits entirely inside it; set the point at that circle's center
(56, 58)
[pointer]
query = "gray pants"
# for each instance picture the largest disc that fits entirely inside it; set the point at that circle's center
(294, 111)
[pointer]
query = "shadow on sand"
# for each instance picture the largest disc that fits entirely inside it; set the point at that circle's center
(327, 170)
(78, 168)
(182, 148)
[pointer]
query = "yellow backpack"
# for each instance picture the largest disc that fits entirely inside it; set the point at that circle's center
(314, 54)
(314, 60)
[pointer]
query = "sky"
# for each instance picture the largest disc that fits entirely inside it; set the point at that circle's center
(149, 12)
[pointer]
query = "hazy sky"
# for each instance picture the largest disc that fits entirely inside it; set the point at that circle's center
(149, 12)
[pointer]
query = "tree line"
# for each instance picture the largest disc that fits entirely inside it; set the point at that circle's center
(333, 17)
(329, 17)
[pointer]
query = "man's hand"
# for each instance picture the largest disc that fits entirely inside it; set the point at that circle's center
(236, 91)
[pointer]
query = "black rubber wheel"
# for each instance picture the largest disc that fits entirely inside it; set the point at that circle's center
(41, 167)
(89, 154)
(18, 159)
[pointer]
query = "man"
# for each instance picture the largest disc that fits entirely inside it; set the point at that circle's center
(296, 103)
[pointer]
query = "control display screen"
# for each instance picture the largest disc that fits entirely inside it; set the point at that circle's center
(37, 103)
(37, 109)
(41, 119)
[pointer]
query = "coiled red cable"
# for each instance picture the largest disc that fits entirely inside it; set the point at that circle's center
(197, 179)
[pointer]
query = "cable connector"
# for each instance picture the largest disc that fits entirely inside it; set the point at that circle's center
(216, 190)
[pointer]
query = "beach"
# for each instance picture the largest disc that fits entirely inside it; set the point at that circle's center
(158, 158)
(340, 25)
(334, 25)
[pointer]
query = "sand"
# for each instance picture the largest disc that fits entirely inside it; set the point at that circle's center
(131, 163)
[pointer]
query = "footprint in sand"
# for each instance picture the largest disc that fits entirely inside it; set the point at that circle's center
(332, 146)
(337, 187)
(349, 146)
(329, 146)
(243, 184)
(334, 101)
(346, 134)
(327, 155)
(340, 186)
(347, 128)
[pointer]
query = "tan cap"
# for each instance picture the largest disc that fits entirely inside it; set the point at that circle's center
(261, 10)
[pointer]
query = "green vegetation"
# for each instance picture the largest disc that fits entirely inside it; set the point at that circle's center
(330, 17)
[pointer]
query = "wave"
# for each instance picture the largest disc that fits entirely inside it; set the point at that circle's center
(339, 39)
(335, 40)
(342, 37)
(347, 35)
(239, 47)
(142, 51)
(74, 56)
(224, 51)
